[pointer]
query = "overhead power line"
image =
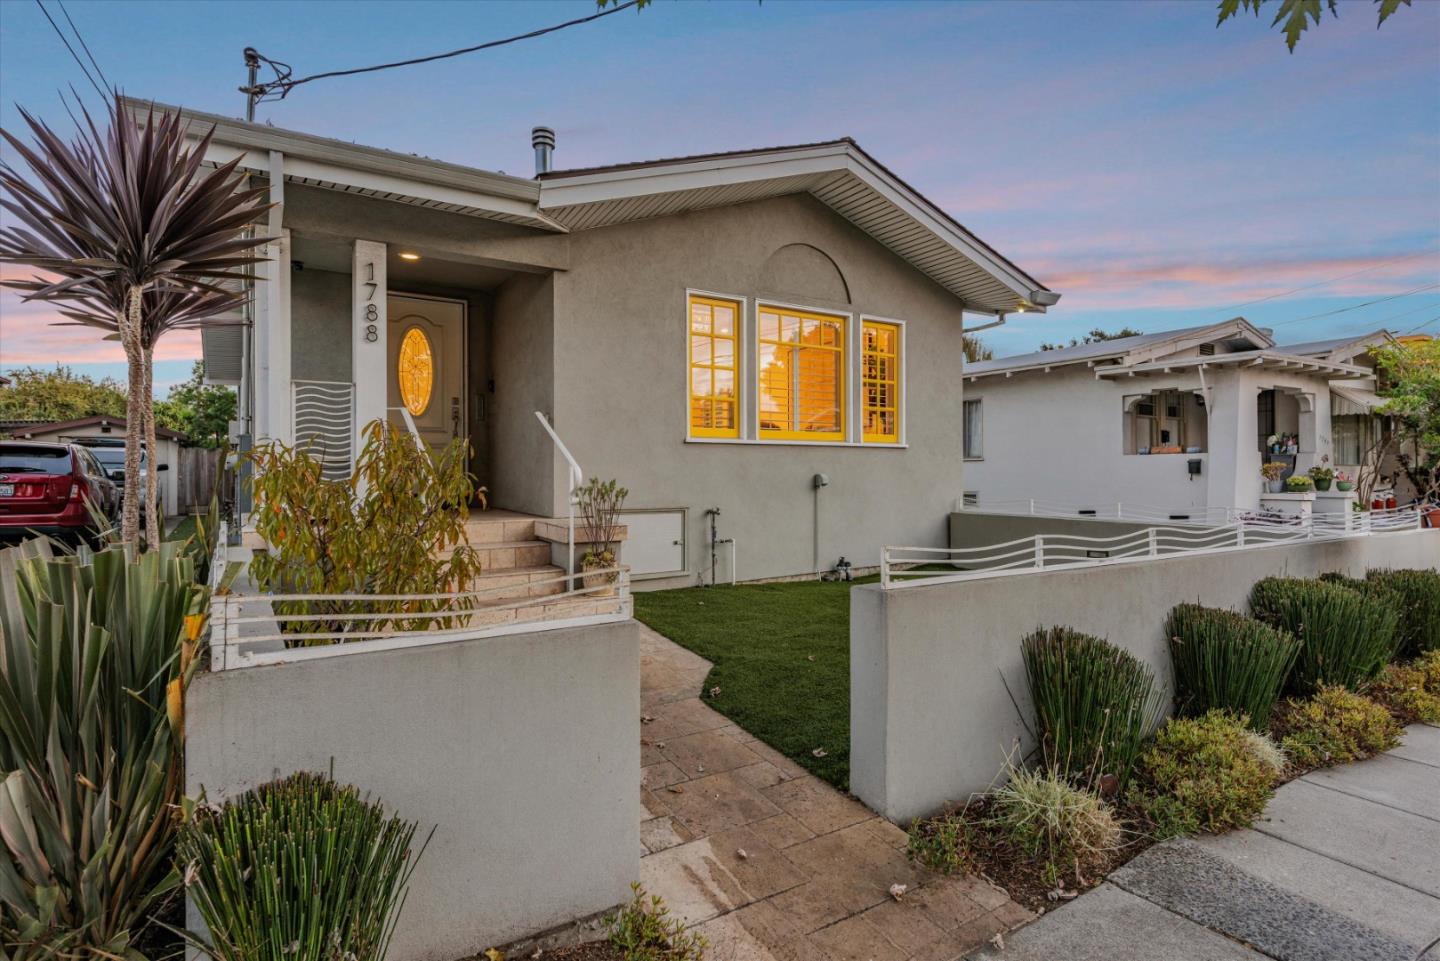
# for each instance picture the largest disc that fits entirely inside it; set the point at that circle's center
(1344, 310)
(280, 87)
(78, 62)
(1328, 282)
(85, 46)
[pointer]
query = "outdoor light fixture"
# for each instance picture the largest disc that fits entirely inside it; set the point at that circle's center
(408, 256)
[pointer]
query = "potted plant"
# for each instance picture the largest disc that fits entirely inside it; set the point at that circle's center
(1299, 484)
(1273, 471)
(1272, 444)
(1343, 482)
(1322, 474)
(600, 503)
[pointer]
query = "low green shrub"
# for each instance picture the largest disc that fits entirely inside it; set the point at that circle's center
(1203, 774)
(1428, 664)
(1417, 595)
(300, 869)
(943, 843)
(1332, 727)
(1094, 704)
(1048, 818)
(1226, 660)
(643, 930)
(1401, 688)
(1345, 636)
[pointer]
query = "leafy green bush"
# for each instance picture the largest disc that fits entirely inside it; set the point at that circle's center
(96, 651)
(396, 526)
(1428, 664)
(1226, 660)
(300, 869)
(1417, 594)
(942, 843)
(1332, 727)
(1401, 689)
(1094, 703)
(1345, 636)
(1049, 818)
(643, 930)
(1203, 774)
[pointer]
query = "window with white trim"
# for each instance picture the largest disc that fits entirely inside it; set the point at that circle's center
(714, 367)
(880, 382)
(801, 374)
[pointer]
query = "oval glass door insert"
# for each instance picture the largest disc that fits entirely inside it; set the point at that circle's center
(415, 368)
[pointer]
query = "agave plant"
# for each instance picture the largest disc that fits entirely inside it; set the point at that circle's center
(136, 238)
(96, 650)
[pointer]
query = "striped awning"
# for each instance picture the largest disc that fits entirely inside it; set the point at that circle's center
(1345, 401)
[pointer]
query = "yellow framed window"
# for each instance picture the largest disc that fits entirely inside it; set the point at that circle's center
(714, 367)
(801, 374)
(880, 381)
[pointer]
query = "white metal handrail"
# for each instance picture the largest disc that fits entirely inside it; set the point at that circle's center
(906, 566)
(577, 477)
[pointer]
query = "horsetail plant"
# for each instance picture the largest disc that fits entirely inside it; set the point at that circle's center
(1094, 704)
(1345, 636)
(1226, 660)
(300, 869)
(1417, 596)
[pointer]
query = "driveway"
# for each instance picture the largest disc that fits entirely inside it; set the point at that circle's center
(1344, 866)
(770, 863)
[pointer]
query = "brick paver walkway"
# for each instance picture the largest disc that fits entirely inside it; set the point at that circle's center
(771, 863)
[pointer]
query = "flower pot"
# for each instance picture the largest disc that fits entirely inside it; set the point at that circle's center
(1322, 483)
(1344, 485)
(1275, 486)
(598, 584)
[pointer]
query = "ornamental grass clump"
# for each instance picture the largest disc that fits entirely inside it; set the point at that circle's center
(1345, 636)
(96, 653)
(1417, 596)
(1332, 727)
(1402, 689)
(300, 869)
(1047, 817)
(1094, 704)
(1204, 774)
(1226, 660)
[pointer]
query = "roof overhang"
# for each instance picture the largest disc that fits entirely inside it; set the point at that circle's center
(330, 164)
(1248, 359)
(837, 173)
(1353, 400)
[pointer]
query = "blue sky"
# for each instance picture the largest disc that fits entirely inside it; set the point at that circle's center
(1158, 171)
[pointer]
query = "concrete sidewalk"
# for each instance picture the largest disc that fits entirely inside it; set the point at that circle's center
(1344, 866)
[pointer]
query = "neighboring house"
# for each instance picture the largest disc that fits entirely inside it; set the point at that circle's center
(112, 429)
(771, 334)
(1172, 420)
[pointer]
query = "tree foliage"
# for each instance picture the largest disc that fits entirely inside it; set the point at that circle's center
(1297, 15)
(201, 411)
(1094, 337)
(1410, 383)
(59, 394)
(975, 349)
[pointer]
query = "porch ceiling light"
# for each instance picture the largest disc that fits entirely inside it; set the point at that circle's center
(409, 256)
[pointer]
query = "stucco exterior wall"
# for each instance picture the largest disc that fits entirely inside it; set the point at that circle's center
(320, 325)
(524, 475)
(520, 751)
(621, 374)
(978, 529)
(933, 668)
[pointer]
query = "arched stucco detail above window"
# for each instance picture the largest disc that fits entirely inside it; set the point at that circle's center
(804, 273)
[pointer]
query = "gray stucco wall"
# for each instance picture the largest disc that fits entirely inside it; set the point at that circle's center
(977, 529)
(320, 325)
(523, 473)
(520, 750)
(933, 668)
(621, 374)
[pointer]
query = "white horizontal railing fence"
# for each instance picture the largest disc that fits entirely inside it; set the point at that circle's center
(248, 630)
(905, 566)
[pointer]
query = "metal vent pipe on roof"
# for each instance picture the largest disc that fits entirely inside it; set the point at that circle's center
(543, 140)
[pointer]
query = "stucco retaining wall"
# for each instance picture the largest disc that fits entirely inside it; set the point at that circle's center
(979, 529)
(931, 719)
(519, 750)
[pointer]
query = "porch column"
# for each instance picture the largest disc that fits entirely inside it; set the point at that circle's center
(273, 415)
(367, 336)
(1234, 460)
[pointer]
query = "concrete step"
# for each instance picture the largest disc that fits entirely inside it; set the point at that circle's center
(484, 528)
(519, 582)
(498, 556)
(561, 608)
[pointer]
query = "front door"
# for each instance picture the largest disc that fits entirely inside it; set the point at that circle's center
(426, 345)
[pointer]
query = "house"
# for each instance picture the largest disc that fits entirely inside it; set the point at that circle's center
(761, 345)
(102, 429)
(1172, 421)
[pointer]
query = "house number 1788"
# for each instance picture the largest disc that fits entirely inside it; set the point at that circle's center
(372, 311)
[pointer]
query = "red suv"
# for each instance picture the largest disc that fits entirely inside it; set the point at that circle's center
(44, 489)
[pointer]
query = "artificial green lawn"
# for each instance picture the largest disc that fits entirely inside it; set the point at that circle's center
(761, 638)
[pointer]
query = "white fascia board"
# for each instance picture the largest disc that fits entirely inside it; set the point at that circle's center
(1046, 367)
(1251, 358)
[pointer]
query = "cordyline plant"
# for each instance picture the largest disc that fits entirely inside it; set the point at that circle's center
(96, 652)
(134, 237)
(396, 526)
(301, 869)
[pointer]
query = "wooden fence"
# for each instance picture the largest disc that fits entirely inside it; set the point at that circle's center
(195, 478)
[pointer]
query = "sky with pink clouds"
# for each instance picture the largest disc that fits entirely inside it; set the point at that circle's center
(1158, 171)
